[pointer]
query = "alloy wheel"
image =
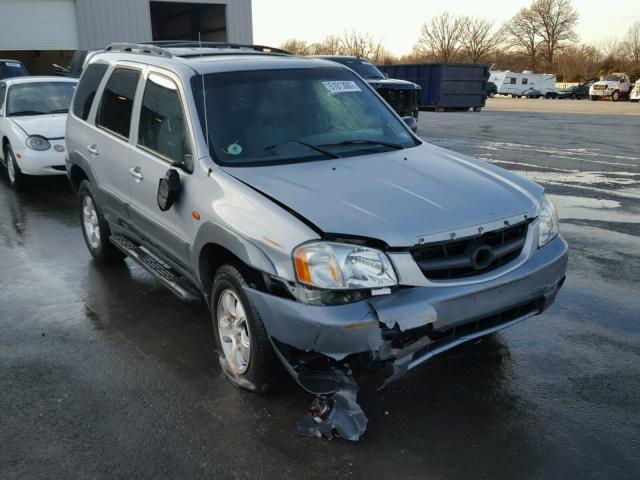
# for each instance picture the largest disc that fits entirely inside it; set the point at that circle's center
(234, 331)
(90, 222)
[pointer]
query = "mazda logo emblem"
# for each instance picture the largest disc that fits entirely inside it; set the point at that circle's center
(481, 256)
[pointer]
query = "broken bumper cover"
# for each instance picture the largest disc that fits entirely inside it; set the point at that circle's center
(470, 310)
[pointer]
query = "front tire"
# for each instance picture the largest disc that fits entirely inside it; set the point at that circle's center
(245, 352)
(95, 228)
(14, 174)
(615, 96)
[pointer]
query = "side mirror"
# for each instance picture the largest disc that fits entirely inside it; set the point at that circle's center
(185, 164)
(412, 123)
(168, 189)
(386, 75)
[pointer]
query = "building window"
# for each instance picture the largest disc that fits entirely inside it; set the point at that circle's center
(117, 101)
(163, 128)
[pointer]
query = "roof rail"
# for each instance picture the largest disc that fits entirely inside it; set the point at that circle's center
(221, 45)
(141, 48)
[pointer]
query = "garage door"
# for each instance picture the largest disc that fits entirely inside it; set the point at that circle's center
(38, 25)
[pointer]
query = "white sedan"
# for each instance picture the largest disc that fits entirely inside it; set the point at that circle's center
(33, 113)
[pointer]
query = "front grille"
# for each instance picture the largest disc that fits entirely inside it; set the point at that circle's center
(443, 336)
(471, 256)
(485, 323)
(404, 102)
(599, 87)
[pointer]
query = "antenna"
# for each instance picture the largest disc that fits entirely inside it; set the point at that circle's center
(204, 100)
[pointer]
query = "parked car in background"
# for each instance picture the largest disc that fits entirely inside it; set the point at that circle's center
(516, 84)
(33, 113)
(12, 68)
(634, 96)
(403, 96)
(532, 93)
(492, 89)
(576, 92)
(322, 233)
(615, 86)
(79, 60)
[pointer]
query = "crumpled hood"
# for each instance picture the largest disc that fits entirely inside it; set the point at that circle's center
(396, 196)
(49, 126)
(393, 83)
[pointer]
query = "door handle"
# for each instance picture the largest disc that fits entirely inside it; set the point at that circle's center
(93, 149)
(136, 173)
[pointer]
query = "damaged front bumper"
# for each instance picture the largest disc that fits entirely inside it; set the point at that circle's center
(406, 328)
(412, 324)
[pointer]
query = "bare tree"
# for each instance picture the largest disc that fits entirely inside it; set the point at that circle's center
(357, 44)
(329, 46)
(479, 37)
(555, 24)
(632, 43)
(296, 47)
(440, 38)
(522, 32)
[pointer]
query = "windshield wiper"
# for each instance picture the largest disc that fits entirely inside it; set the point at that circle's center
(364, 141)
(25, 113)
(60, 110)
(309, 145)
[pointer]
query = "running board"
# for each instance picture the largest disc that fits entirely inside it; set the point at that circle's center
(167, 276)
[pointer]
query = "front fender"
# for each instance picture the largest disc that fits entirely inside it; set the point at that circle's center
(245, 250)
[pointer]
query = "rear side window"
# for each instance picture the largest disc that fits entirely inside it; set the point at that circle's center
(512, 81)
(525, 81)
(163, 128)
(3, 90)
(86, 90)
(115, 109)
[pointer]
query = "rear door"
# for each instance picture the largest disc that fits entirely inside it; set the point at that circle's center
(108, 149)
(163, 136)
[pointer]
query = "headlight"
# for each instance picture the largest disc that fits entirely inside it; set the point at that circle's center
(549, 225)
(342, 266)
(36, 142)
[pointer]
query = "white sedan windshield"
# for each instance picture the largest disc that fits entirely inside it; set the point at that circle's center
(39, 98)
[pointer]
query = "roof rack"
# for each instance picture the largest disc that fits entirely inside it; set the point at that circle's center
(161, 47)
(138, 48)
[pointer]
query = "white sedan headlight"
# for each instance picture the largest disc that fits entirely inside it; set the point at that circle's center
(341, 266)
(37, 142)
(549, 226)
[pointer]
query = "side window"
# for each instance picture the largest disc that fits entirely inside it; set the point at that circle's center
(525, 81)
(512, 81)
(86, 90)
(115, 109)
(3, 90)
(163, 128)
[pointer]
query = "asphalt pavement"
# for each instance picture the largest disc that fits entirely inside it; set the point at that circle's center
(104, 374)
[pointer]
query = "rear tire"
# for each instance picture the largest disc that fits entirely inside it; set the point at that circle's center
(245, 351)
(95, 228)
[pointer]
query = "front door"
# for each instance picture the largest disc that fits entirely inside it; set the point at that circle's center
(163, 139)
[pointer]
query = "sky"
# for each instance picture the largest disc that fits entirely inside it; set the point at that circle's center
(397, 23)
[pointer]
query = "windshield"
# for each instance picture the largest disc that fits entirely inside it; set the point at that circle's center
(283, 116)
(11, 69)
(612, 78)
(362, 67)
(39, 98)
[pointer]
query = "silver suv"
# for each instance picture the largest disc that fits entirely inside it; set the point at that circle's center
(320, 230)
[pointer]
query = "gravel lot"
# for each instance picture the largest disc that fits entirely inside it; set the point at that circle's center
(103, 374)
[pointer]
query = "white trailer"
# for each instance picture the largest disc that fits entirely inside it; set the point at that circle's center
(517, 83)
